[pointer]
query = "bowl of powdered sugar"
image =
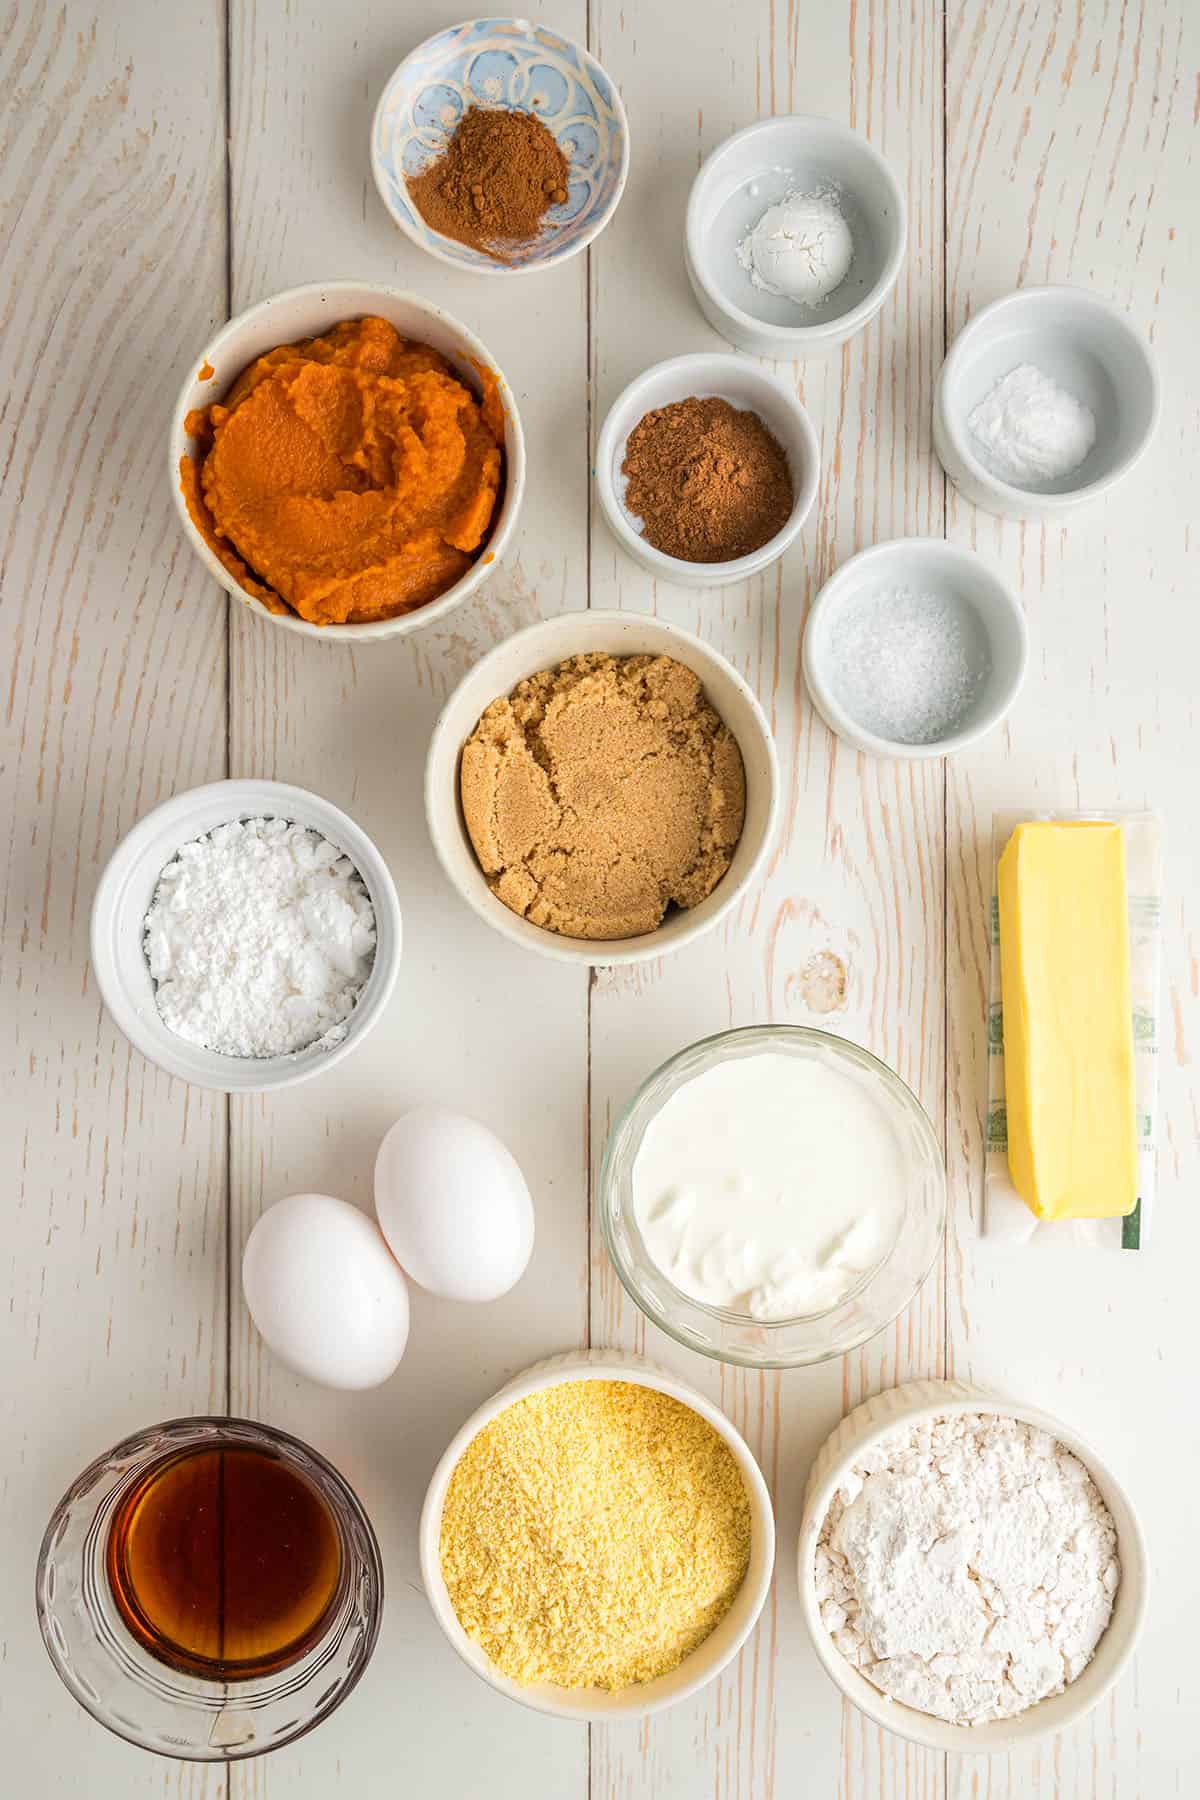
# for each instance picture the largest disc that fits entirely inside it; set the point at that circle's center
(914, 648)
(971, 1574)
(246, 935)
(1046, 399)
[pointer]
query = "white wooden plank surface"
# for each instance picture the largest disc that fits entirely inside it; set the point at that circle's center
(111, 267)
(1060, 138)
(1086, 174)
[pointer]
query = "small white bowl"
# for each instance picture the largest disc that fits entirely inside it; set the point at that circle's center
(926, 565)
(543, 646)
(1083, 344)
(305, 312)
(514, 64)
(706, 1662)
(744, 386)
(755, 169)
(924, 1401)
(123, 898)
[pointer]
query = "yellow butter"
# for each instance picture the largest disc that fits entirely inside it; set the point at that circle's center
(1068, 1027)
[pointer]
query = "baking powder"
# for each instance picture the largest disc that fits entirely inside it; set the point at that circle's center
(1029, 429)
(967, 1567)
(260, 937)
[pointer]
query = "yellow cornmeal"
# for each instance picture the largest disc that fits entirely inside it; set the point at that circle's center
(594, 1534)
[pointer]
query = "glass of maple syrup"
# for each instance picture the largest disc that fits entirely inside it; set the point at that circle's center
(210, 1589)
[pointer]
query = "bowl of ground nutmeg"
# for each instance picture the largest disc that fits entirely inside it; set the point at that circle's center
(706, 469)
(597, 1541)
(602, 788)
(500, 146)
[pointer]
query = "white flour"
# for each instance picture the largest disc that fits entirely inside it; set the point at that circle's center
(968, 1567)
(1030, 429)
(259, 937)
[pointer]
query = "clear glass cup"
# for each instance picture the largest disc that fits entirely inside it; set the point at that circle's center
(784, 1343)
(147, 1701)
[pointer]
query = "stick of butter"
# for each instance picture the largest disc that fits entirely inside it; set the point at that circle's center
(1068, 1020)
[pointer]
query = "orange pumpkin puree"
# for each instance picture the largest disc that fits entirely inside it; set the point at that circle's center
(346, 478)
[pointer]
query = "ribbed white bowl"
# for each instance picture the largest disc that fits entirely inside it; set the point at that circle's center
(927, 1400)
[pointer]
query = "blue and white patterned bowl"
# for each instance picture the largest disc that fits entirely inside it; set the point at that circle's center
(504, 63)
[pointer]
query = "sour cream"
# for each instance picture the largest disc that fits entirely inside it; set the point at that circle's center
(771, 1185)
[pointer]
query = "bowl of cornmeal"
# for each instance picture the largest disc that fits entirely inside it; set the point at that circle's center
(597, 1541)
(602, 788)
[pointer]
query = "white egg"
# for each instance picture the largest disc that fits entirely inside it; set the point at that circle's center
(453, 1205)
(325, 1291)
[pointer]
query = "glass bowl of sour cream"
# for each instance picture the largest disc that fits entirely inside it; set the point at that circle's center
(773, 1196)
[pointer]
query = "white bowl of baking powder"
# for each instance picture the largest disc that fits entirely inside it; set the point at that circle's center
(918, 1403)
(1086, 348)
(123, 899)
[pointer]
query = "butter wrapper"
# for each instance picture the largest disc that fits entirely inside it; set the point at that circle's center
(1006, 1218)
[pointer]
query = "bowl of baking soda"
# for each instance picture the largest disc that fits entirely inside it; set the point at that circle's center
(246, 936)
(796, 231)
(1046, 399)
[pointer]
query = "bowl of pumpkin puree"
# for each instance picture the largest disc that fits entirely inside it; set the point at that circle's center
(347, 460)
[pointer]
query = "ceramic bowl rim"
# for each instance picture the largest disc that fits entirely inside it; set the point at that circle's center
(738, 568)
(535, 265)
(959, 437)
(276, 797)
(845, 324)
(607, 952)
(504, 529)
(554, 1372)
(835, 715)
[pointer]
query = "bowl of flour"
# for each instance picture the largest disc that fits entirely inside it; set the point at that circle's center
(971, 1574)
(246, 936)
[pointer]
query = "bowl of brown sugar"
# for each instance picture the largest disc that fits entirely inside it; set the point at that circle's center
(602, 788)
(499, 146)
(706, 469)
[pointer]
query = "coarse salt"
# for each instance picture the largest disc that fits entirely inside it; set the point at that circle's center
(260, 937)
(907, 666)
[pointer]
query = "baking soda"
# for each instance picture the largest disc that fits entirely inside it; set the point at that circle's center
(907, 666)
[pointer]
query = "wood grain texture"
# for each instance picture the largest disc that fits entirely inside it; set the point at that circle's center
(111, 266)
(1071, 149)
(1058, 142)
(847, 930)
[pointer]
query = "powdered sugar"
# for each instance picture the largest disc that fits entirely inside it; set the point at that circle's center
(260, 937)
(968, 1567)
(1028, 429)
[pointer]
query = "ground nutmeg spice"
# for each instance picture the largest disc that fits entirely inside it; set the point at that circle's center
(708, 482)
(495, 181)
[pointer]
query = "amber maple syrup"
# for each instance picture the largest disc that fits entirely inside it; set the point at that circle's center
(224, 1562)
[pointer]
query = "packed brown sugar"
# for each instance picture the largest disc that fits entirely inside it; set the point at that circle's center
(593, 1535)
(347, 477)
(602, 792)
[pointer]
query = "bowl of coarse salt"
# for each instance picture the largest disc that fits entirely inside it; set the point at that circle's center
(914, 648)
(972, 1575)
(245, 936)
(1046, 399)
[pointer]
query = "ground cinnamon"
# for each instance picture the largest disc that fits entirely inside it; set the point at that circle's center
(708, 482)
(495, 181)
